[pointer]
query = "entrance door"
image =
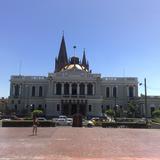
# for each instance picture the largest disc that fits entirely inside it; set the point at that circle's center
(65, 109)
(82, 109)
(73, 109)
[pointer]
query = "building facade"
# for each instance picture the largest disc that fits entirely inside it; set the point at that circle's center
(3, 104)
(71, 88)
(153, 103)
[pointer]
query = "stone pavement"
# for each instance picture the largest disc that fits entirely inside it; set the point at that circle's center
(67, 143)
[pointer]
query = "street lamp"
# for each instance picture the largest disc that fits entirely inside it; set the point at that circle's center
(145, 99)
(145, 96)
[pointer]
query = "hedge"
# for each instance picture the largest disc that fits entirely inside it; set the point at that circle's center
(26, 123)
(124, 125)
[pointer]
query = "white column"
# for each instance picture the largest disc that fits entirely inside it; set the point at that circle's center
(93, 89)
(128, 91)
(85, 89)
(55, 88)
(116, 91)
(50, 89)
(20, 89)
(77, 88)
(13, 89)
(62, 88)
(70, 88)
(134, 91)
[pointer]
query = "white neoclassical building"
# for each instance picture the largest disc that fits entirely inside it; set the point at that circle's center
(71, 88)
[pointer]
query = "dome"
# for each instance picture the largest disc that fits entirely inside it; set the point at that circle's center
(74, 66)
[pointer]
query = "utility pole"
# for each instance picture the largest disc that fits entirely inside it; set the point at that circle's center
(145, 98)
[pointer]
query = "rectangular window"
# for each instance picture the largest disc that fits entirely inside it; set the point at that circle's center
(107, 92)
(115, 92)
(107, 107)
(58, 107)
(12, 101)
(90, 108)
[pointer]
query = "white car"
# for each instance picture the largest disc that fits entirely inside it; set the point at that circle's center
(61, 121)
(69, 121)
(63, 117)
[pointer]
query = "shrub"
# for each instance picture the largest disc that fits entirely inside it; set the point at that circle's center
(124, 125)
(110, 112)
(156, 113)
(156, 120)
(26, 123)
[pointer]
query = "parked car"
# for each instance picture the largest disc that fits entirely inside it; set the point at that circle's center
(62, 120)
(63, 116)
(69, 121)
(97, 121)
(87, 123)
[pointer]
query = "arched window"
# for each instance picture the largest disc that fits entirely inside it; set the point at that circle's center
(33, 91)
(66, 89)
(17, 90)
(131, 94)
(107, 92)
(40, 91)
(58, 88)
(74, 89)
(90, 89)
(82, 89)
(115, 92)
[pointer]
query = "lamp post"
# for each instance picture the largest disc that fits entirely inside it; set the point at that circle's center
(115, 101)
(145, 98)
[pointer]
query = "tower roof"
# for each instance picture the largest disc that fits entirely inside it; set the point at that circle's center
(84, 63)
(62, 57)
(62, 60)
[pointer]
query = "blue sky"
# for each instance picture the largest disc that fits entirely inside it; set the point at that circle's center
(121, 37)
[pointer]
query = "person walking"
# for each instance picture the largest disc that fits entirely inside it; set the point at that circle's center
(35, 124)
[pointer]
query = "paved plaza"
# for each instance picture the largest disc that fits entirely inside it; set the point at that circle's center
(67, 143)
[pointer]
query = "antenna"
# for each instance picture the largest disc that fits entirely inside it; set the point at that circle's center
(74, 47)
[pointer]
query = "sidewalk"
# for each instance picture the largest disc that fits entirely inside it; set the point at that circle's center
(67, 143)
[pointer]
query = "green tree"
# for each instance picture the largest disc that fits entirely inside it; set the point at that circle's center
(110, 113)
(156, 113)
(132, 108)
(37, 112)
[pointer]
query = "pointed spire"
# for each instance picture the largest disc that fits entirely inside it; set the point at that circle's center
(62, 60)
(87, 66)
(84, 59)
(56, 63)
(62, 52)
